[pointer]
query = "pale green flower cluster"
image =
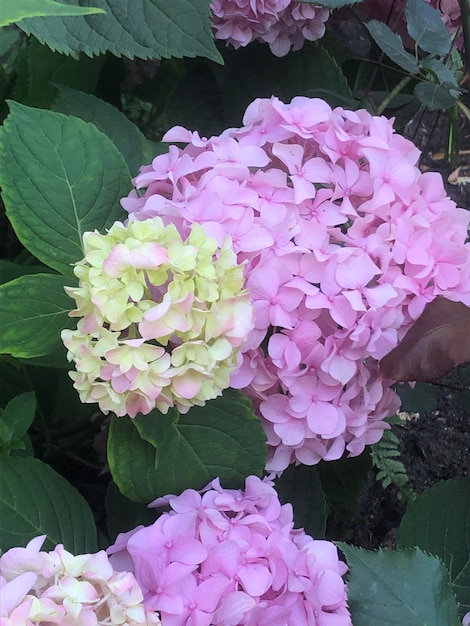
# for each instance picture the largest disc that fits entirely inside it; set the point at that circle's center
(56, 587)
(162, 318)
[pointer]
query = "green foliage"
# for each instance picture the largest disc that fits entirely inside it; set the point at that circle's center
(385, 457)
(16, 10)
(123, 515)
(396, 588)
(153, 455)
(31, 322)
(131, 143)
(300, 485)
(35, 500)
(438, 522)
(148, 29)
(392, 45)
(15, 419)
(61, 178)
(41, 68)
(426, 28)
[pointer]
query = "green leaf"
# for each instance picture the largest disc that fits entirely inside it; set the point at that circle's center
(61, 177)
(34, 311)
(10, 271)
(131, 143)
(343, 479)
(440, 71)
(132, 461)
(123, 515)
(35, 500)
(425, 26)
(148, 29)
(40, 68)
(17, 417)
(254, 72)
(439, 523)
(300, 485)
(420, 398)
(397, 588)
(435, 96)
(224, 438)
(392, 45)
(16, 10)
(13, 381)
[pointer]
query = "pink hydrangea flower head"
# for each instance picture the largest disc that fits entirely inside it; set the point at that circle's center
(343, 241)
(59, 588)
(226, 556)
(283, 24)
(162, 318)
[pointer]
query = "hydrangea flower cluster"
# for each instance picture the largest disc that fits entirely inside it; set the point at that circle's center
(59, 588)
(162, 318)
(231, 557)
(283, 24)
(344, 241)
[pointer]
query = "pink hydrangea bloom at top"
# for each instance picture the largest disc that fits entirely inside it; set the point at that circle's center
(344, 241)
(232, 558)
(45, 588)
(283, 24)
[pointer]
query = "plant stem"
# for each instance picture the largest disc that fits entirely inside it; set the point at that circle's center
(394, 92)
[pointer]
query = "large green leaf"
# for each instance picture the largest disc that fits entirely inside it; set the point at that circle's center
(148, 29)
(16, 10)
(16, 418)
(35, 500)
(392, 45)
(123, 515)
(253, 72)
(224, 438)
(424, 24)
(39, 67)
(34, 311)
(439, 523)
(131, 143)
(60, 177)
(300, 486)
(398, 588)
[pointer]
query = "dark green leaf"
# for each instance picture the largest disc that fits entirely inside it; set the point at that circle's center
(132, 461)
(440, 71)
(131, 143)
(35, 310)
(224, 438)
(439, 523)
(397, 588)
(435, 96)
(419, 398)
(35, 500)
(342, 480)
(40, 67)
(10, 271)
(123, 515)
(148, 29)
(300, 485)
(392, 45)
(253, 72)
(13, 382)
(425, 26)
(17, 417)
(61, 177)
(16, 10)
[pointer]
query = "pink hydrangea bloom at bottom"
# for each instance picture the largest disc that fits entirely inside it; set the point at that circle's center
(226, 557)
(45, 588)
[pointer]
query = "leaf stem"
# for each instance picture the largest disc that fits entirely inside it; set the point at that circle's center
(394, 92)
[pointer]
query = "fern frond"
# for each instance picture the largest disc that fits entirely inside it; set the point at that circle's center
(385, 457)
